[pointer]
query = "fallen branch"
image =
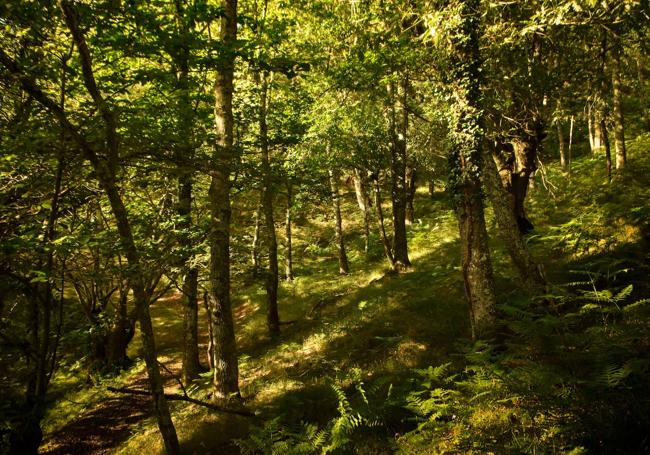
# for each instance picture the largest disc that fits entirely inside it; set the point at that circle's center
(176, 397)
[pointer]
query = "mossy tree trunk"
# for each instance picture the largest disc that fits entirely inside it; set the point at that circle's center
(465, 165)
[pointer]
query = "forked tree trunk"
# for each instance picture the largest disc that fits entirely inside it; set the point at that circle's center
(531, 274)
(271, 275)
(288, 253)
(226, 371)
(344, 268)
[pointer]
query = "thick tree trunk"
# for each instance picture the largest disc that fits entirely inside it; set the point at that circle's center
(364, 204)
(398, 177)
(344, 268)
(271, 282)
(410, 193)
(532, 274)
(288, 253)
(465, 163)
(380, 220)
(619, 121)
(226, 371)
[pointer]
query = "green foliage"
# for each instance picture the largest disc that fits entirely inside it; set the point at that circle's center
(570, 372)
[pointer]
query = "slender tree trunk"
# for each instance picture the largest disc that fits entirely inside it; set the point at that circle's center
(105, 172)
(432, 188)
(288, 254)
(562, 145)
(619, 121)
(398, 176)
(590, 126)
(255, 245)
(531, 273)
(380, 220)
(226, 371)
(344, 268)
(465, 162)
(184, 160)
(608, 151)
(364, 204)
(410, 193)
(272, 317)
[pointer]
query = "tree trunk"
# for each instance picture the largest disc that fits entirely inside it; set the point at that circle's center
(410, 193)
(105, 172)
(465, 162)
(364, 204)
(608, 151)
(226, 372)
(562, 145)
(617, 96)
(398, 176)
(344, 268)
(191, 366)
(271, 282)
(255, 245)
(380, 220)
(532, 274)
(590, 127)
(288, 254)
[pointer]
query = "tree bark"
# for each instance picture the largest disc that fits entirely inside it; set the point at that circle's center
(465, 163)
(191, 366)
(380, 221)
(105, 172)
(364, 204)
(619, 120)
(255, 245)
(344, 268)
(271, 281)
(532, 274)
(562, 145)
(288, 253)
(226, 371)
(398, 176)
(608, 151)
(410, 193)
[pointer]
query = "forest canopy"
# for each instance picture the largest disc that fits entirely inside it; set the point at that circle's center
(324, 226)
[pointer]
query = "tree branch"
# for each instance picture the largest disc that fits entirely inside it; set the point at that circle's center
(176, 397)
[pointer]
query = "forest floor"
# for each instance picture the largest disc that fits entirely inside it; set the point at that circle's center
(365, 325)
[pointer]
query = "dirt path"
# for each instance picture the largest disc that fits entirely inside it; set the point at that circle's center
(105, 426)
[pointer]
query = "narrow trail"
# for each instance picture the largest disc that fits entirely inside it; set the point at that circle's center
(106, 425)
